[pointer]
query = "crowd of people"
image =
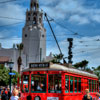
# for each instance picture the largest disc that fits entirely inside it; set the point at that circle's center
(7, 95)
(15, 95)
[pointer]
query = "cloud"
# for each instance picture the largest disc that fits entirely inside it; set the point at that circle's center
(8, 42)
(12, 10)
(48, 2)
(85, 48)
(79, 19)
(7, 39)
(73, 10)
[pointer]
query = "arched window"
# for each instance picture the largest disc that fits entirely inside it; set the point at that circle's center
(31, 5)
(34, 20)
(34, 7)
(28, 18)
(40, 20)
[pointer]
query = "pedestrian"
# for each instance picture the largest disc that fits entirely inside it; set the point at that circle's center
(87, 96)
(4, 94)
(9, 93)
(97, 96)
(14, 94)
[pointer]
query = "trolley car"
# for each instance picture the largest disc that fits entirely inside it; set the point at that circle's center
(46, 81)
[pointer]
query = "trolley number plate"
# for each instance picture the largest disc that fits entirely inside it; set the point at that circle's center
(52, 98)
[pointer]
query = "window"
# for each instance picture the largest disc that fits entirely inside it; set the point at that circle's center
(66, 84)
(38, 83)
(34, 14)
(92, 85)
(25, 84)
(75, 84)
(28, 18)
(34, 20)
(79, 85)
(96, 86)
(29, 14)
(54, 84)
(71, 84)
(40, 20)
(25, 35)
(89, 85)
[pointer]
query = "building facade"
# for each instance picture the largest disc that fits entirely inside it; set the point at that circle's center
(34, 34)
(33, 39)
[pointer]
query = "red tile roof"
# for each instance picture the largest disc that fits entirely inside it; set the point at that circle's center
(4, 59)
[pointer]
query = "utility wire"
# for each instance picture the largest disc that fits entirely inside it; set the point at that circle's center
(86, 45)
(2, 2)
(12, 18)
(86, 51)
(63, 26)
(11, 24)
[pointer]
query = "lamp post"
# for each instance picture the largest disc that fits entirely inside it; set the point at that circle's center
(10, 64)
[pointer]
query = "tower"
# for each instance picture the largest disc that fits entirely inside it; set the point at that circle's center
(34, 34)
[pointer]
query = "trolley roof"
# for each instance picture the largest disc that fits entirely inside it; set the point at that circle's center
(56, 67)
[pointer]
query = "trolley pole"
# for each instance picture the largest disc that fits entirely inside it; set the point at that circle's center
(70, 40)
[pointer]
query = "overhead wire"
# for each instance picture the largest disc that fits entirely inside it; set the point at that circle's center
(63, 26)
(75, 33)
(11, 18)
(2, 2)
(86, 51)
(10, 24)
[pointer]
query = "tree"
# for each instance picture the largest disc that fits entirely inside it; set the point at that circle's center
(97, 71)
(57, 58)
(19, 60)
(4, 76)
(83, 64)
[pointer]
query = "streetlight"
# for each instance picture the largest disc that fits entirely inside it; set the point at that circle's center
(10, 64)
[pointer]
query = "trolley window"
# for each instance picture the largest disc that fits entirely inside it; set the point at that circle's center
(38, 83)
(54, 84)
(89, 81)
(75, 84)
(25, 85)
(79, 85)
(96, 86)
(71, 84)
(92, 85)
(66, 84)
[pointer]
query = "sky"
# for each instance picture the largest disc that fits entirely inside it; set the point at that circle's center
(77, 19)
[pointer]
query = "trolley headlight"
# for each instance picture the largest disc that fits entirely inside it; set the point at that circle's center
(37, 98)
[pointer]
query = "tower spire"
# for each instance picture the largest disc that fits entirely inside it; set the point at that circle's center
(34, 5)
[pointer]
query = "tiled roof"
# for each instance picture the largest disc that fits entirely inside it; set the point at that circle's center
(4, 59)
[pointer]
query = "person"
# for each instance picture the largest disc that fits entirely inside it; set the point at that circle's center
(14, 95)
(87, 96)
(9, 93)
(4, 95)
(97, 96)
(40, 87)
(0, 90)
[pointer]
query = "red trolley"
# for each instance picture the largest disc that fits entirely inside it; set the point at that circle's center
(46, 81)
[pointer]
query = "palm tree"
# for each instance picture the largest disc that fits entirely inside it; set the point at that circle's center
(82, 64)
(19, 60)
(57, 58)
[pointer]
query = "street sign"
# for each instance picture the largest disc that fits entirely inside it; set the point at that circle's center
(39, 65)
(12, 73)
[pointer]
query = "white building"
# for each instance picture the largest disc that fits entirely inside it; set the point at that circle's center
(33, 39)
(34, 34)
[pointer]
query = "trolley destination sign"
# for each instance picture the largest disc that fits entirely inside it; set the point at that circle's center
(39, 65)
